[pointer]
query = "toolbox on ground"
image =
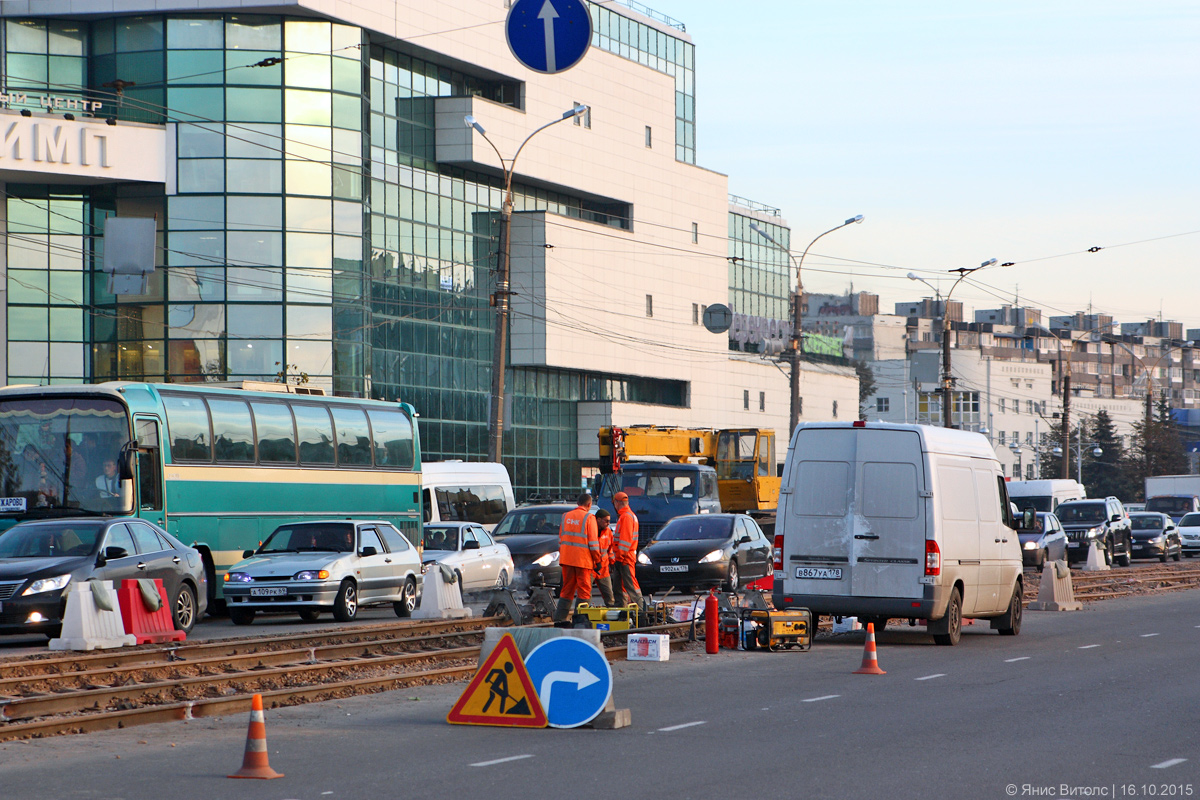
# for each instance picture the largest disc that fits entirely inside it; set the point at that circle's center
(605, 619)
(777, 630)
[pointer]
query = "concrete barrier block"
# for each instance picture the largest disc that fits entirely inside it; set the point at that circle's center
(440, 599)
(88, 627)
(1095, 560)
(529, 638)
(1055, 592)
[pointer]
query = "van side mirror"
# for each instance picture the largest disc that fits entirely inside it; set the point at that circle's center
(368, 551)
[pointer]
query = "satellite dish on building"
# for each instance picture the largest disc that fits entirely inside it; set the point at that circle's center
(718, 318)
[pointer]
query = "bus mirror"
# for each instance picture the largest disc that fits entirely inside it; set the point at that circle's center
(126, 464)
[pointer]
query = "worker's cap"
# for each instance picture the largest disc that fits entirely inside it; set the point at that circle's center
(621, 497)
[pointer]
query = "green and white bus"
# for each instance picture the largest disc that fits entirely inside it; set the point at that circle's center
(218, 467)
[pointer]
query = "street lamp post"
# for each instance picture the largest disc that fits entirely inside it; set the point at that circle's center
(501, 298)
(794, 347)
(1078, 447)
(947, 378)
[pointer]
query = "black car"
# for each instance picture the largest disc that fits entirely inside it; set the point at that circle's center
(38, 560)
(531, 535)
(705, 550)
(1155, 535)
(1103, 522)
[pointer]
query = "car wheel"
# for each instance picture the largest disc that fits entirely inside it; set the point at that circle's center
(1178, 553)
(1010, 623)
(1163, 558)
(345, 607)
(502, 579)
(1124, 559)
(241, 616)
(408, 599)
(1108, 558)
(952, 621)
(183, 611)
(731, 585)
(310, 614)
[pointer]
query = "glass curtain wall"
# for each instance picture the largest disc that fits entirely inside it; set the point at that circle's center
(760, 273)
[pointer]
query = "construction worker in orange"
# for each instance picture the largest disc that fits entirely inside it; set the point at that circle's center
(603, 577)
(625, 544)
(578, 555)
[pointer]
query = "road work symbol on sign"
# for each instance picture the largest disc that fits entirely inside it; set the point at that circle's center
(573, 678)
(501, 693)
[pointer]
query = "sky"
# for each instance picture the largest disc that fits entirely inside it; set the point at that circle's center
(1022, 131)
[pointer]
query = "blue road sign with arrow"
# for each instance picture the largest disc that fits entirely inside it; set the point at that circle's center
(572, 678)
(548, 35)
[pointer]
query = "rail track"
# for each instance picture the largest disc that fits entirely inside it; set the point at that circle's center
(99, 691)
(1126, 581)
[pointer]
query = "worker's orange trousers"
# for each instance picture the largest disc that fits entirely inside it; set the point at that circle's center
(577, 582)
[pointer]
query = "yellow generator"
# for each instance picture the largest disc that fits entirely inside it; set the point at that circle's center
(605, 619)
(777, 630)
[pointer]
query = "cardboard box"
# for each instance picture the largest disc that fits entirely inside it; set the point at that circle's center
(649, 647)
(683, 612)
(847, 625)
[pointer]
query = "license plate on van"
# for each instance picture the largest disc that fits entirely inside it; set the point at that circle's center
(819, 573)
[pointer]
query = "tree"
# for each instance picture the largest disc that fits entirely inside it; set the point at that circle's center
(866, 386)
(1106, 474)
(1050, 465)
(1157, 448)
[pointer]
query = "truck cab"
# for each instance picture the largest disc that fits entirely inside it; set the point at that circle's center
(660, 491)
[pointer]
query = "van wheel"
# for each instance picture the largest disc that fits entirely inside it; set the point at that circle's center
(1010, 623)
(952, 622)
(879, 622)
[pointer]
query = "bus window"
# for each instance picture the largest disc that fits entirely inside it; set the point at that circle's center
(276, 433)
(393, 438)
(233, 436)
(353, 437)
(314, 434)
(187, 424)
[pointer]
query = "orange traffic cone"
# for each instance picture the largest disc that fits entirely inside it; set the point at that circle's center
(870, 663)
(254, 764)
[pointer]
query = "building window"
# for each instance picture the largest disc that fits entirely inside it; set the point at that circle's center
(649, 137)
(762, 401)
(1016, 406)
(695, 233)
(649, 305)
(1001, 406)
(883, 404)
(1000, 438)
(1028, 406)
(695, 313)
(1029, 472)
(835, 409)
(746, 399)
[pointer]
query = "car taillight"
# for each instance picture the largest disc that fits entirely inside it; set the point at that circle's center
(779, 552)
(933, 558)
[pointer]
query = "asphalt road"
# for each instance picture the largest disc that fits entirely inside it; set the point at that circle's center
(1100, 702)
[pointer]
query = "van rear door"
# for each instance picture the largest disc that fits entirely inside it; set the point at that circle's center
(855, 506)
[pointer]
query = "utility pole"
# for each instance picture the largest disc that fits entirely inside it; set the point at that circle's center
(947, 375)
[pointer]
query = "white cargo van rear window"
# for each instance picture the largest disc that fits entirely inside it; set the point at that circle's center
(889, 490)
(824, 489)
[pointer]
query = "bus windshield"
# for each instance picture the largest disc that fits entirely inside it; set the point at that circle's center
(60, 455)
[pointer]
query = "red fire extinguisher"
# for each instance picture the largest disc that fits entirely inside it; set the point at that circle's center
(710, 623)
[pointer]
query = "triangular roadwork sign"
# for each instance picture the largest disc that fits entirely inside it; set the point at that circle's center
(501, 692)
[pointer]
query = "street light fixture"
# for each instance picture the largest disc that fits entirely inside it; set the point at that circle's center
(947, 379)
(793, 354)
(501, 297)
(1078, 447)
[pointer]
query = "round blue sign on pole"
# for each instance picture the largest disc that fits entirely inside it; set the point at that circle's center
(548, 35)
(572, 678)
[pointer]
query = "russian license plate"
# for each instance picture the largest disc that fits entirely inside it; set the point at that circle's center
(673, 568)
(268, 591)
(819, 573)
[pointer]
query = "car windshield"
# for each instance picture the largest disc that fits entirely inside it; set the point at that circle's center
(1169, 505)
(651, 483)
(59, 453)
(48, 541)
(1147, 522)
(1080, 512)
(309, 538)
(545, 521)
(441, 538)
(694, 528)
(1036, 502)
(1190, 520)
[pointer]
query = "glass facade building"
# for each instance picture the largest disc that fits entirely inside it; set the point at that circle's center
(760, 271)
(309, 234)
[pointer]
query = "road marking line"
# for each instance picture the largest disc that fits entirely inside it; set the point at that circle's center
(1018, 658)
(931, 677)
(1169, 763)
(500, 761)
(681, 727)
(822, 697)
(1088, 646)
(1148, 635)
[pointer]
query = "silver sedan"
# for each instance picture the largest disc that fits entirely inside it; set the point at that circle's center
(469, 550)
(338, 565)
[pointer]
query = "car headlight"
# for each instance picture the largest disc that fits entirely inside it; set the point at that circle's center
(643, 558)
(238, 577)
(547, 559)
(47, 585)
(1031, 545)
(1092, 533)
(311, 575)
(715, 555)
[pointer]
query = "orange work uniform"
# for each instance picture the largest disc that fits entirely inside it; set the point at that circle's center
(606, 541)
(578, 553)
(627, 537)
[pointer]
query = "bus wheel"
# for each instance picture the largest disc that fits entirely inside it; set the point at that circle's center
(345, 607)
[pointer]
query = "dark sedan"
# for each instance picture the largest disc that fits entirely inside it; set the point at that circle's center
(704, 550)
(38, 560)
(531, 535)
(1155, 535)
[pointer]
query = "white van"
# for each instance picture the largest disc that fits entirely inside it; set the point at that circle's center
(466, 491)
(879, 521)
(1045, 495)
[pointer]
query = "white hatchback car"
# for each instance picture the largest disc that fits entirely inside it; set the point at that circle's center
(469, 550)
(1189, 533)
(330, 565)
